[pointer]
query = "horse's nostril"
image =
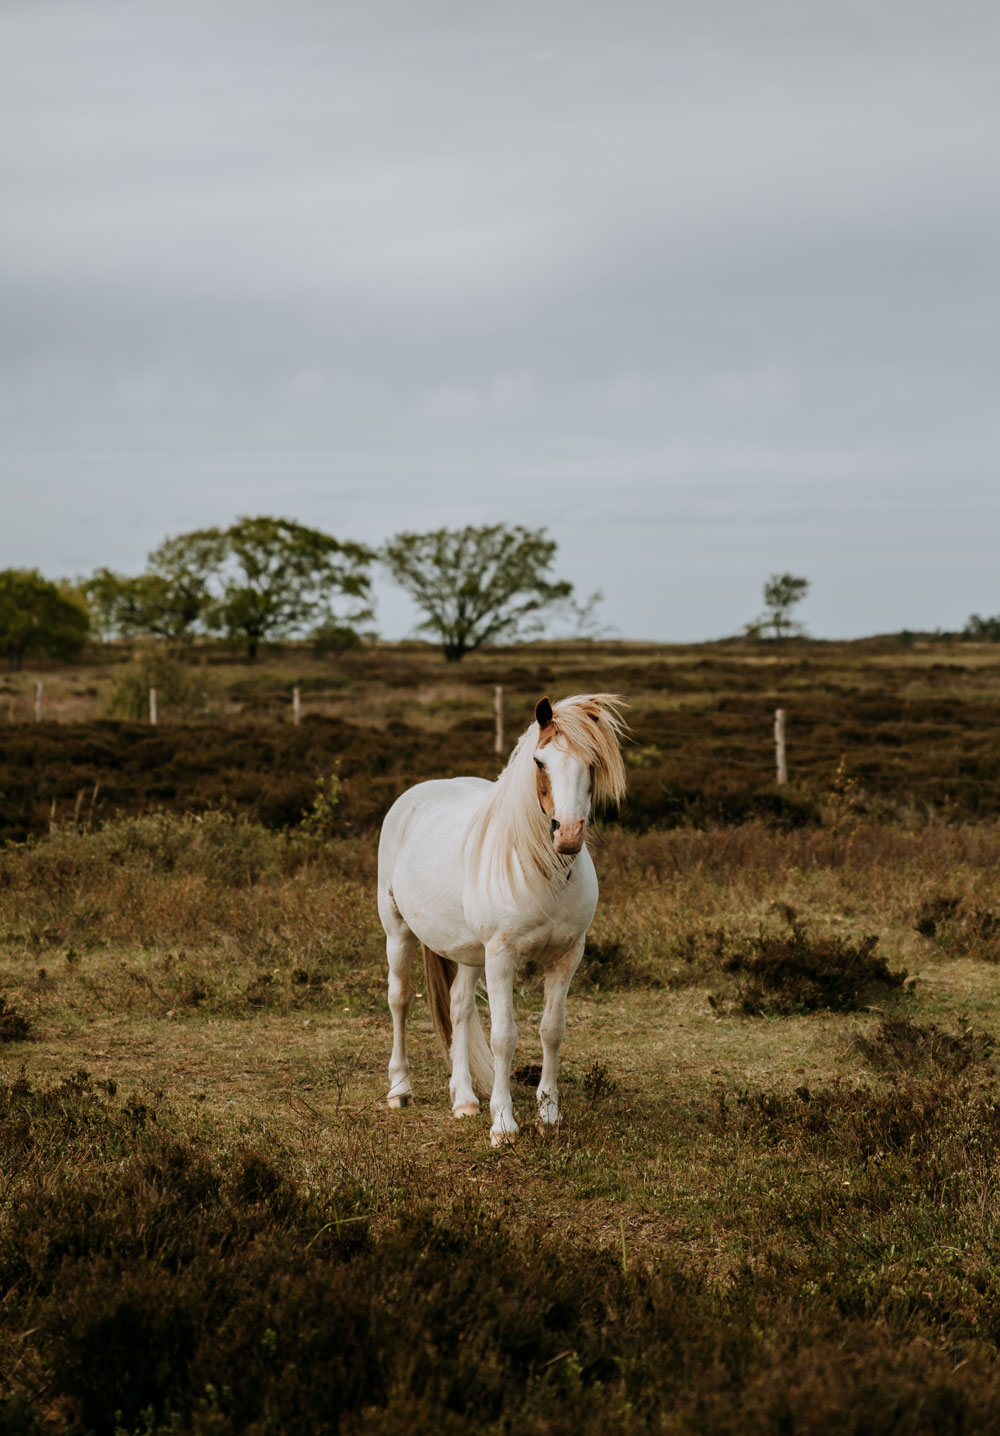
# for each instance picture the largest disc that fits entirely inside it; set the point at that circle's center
(555, 825)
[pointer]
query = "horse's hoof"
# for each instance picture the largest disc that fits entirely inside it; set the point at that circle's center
(547, 1129)
(502, 1139)
(467, 1109)
(401, 1099)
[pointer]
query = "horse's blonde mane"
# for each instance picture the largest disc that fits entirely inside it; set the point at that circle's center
(509, 838)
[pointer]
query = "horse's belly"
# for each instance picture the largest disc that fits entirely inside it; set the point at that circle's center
(433, 913)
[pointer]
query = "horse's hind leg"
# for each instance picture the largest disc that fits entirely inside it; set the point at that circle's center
(464, 1102)
(401, 948)
(557, 981)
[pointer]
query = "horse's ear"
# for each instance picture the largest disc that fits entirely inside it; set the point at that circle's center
(543, 712)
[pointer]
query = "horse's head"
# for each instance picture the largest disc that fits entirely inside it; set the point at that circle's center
(564, 778)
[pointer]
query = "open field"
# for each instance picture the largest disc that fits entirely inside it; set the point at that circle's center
(774, 1202)
(891, 729)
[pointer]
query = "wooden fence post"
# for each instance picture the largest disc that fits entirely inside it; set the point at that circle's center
(779, 745)
(498, 714)
(152, 706)
(38, 702)
(296, 706)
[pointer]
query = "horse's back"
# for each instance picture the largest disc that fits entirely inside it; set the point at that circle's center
(436, 807)
(421, 861)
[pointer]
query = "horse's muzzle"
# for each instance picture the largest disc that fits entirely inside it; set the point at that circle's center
(569, 837)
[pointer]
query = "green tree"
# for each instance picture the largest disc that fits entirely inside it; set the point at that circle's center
(478, 585)
(985, 630)
(170, 600)
(112, 601)
(38, 617)
(782, 592)
(282, 579)
(175, 593)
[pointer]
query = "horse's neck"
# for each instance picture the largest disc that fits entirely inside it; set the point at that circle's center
(511, 843)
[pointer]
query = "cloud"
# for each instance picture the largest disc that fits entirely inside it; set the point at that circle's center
(384, 266)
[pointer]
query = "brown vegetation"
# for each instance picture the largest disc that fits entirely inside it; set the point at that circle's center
(747, 1223)
(884, 735)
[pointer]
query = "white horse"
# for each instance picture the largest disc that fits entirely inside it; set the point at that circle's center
(487, 875)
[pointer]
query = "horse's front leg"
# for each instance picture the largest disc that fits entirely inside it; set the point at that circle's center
(500, 967)
(557, 981)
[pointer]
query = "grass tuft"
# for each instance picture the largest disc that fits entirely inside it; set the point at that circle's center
(598, 1082)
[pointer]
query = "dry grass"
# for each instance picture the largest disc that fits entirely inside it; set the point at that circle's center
(209, 1220)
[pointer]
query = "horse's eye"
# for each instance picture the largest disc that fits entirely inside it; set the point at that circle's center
(539, 764)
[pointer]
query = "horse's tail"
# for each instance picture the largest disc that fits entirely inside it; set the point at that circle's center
(480, 1057)
(440, 973)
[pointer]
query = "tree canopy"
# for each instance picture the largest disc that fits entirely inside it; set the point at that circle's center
(478, 585)
(37, 617)
(986, 630)
(178, 582)
(259, 579)
(281, 578)
(170, 600)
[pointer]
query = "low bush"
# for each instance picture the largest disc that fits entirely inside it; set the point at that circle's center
(610, 963)
(15, 1025)
(153, 1285)
(181, 691)
(948, 1127)
(778, 973)
(902, 1046)
(961, 928)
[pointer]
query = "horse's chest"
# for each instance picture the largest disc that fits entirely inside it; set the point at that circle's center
(547, 945)
(546, 933)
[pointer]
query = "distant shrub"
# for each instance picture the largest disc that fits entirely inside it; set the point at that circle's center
(983, 630)
(778, 973)
(181, 691)
(900, 1045)
(721, 797)
(332, 637)
(227, 849)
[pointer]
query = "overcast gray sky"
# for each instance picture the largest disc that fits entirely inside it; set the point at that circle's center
(708, 289)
